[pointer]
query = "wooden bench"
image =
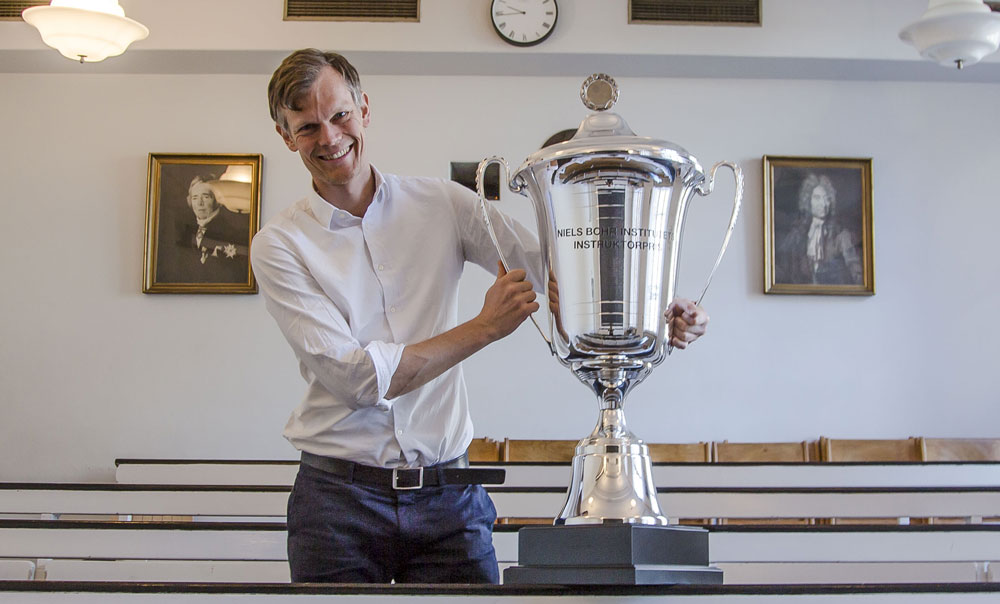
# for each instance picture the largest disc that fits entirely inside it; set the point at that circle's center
(267, 503)
(237, 530)
(74, 592)
(715, 475)
(253, 552)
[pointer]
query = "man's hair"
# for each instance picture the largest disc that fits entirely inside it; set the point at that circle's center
(296, 75)
(208, 182)
(809, 185)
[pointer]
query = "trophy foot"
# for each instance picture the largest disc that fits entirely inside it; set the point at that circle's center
(612, 477)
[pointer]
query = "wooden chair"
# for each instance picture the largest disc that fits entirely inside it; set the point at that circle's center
(528, 450)
(538, 450)
(680, 452)
(960, 449)
(847, 450)
(790, 452)
(484, 450)
(871, 450)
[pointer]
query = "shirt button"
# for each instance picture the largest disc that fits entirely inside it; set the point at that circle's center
(399, 432)
(392, 309)
(381, 267)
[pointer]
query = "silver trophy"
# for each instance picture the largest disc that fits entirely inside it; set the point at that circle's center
(610, 208)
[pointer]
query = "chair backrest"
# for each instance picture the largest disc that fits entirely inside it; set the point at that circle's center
(538, 450)
(680, 452)
(484, 449)
(838, 449)
(728, 452)
(960, 449)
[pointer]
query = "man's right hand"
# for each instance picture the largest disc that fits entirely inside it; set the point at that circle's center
(509, 301)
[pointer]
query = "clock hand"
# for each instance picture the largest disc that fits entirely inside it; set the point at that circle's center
(520, 12)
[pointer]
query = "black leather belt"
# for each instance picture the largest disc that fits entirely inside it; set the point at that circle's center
(456, 471)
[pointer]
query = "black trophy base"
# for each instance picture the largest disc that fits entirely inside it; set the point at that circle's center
(612, 554)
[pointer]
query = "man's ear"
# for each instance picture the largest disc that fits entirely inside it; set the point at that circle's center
(366, 112)
(289, 141)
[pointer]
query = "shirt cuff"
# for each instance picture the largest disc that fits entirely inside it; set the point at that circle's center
(385, 356)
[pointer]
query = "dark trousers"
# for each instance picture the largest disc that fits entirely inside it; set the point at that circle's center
(348, 532)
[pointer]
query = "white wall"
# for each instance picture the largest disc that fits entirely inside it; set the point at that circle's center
(93, 370)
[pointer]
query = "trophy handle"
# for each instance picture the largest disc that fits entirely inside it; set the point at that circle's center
(706, 189)
(516, 188)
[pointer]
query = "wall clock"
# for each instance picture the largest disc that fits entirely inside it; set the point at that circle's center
(524, 22)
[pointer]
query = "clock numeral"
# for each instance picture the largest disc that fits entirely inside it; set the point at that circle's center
(502, 25)
(549, 13)
(524, 38)
(545, 25)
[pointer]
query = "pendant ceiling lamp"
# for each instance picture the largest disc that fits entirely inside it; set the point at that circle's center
(955, 32)
(85, 30)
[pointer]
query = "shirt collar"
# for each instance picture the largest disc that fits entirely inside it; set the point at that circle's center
(331, 216)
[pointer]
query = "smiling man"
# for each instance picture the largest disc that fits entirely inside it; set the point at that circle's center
(361, 276)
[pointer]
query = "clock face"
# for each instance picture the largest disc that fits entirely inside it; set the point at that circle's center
(524, 22)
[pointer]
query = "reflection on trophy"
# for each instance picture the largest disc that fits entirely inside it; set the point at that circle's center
(610, 209)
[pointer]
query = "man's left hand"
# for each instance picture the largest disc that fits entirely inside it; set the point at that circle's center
(687, 322)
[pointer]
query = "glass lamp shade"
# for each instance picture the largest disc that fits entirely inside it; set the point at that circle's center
(90, 34)
(955, 32)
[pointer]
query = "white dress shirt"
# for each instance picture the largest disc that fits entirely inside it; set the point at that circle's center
(349, 293)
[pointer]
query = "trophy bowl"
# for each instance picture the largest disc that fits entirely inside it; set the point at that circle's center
(610, 209)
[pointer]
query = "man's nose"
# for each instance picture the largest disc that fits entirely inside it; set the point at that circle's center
(330, 135)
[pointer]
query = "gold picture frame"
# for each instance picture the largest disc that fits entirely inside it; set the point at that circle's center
(818, 226)
(202, 210)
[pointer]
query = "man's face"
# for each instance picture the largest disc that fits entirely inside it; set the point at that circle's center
(328, 132)
(202, 200)
(820, 203)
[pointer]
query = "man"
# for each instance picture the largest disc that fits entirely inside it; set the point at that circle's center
(362, 278)
(818, 248)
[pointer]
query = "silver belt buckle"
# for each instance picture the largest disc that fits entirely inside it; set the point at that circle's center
(395, 479)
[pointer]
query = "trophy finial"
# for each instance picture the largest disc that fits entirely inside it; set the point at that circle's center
(599, 92)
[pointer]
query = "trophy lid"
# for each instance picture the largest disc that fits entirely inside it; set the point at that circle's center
(605, 133)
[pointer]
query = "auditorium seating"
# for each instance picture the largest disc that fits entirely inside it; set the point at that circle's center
(680, 452)
(960, 449)
(538, 450)
(222, 521)
(788, 452)
(868, 450)
(484, 450)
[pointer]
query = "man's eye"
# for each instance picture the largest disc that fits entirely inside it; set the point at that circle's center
(340, 115)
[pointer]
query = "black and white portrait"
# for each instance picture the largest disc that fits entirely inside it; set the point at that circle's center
(819, 225)
(202, 215)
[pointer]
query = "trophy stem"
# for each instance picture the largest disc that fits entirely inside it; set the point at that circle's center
(611, 423)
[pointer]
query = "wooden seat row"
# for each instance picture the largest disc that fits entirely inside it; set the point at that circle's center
(824, 449)
(252, 553)
(894, 493)
(235, 532)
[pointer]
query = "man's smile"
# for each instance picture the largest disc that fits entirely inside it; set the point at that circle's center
(337, 155)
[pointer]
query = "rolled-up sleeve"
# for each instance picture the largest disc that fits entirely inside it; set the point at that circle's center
(355, 374)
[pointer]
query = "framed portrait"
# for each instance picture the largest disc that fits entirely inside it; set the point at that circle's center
(818, 226)
(201, 213)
